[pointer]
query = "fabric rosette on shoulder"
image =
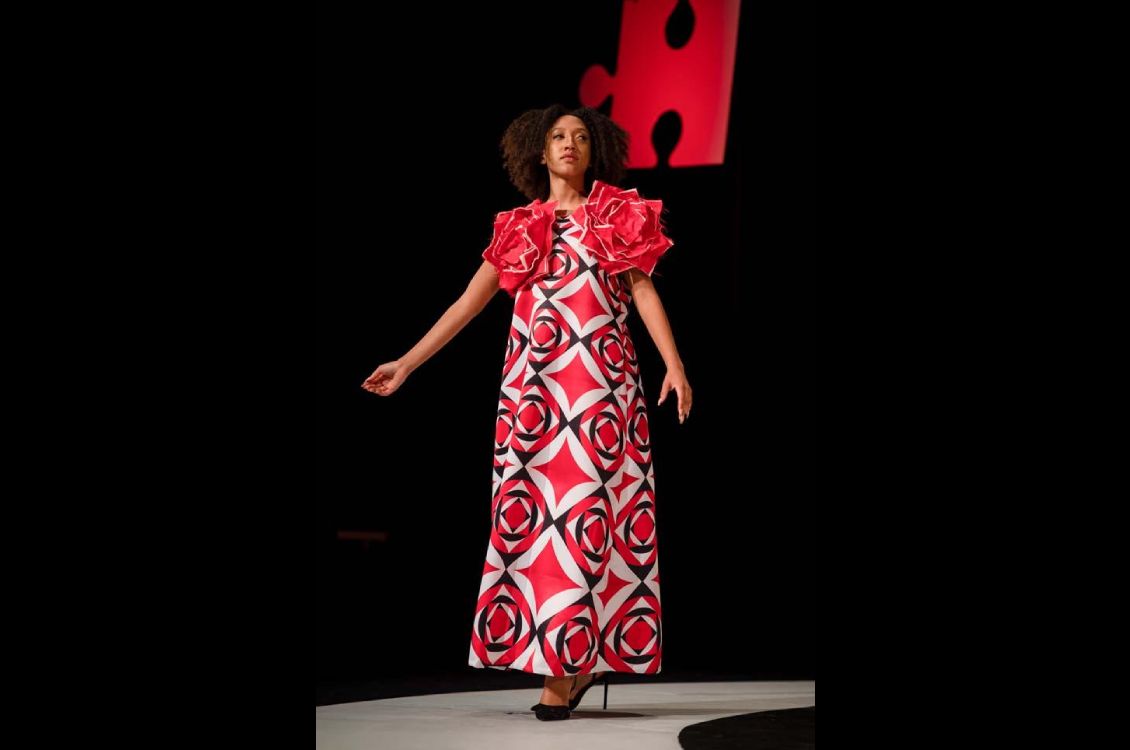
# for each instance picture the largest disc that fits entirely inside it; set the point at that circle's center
(519, 248)
(624, 230)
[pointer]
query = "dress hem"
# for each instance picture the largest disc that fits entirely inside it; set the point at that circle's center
(551, 674)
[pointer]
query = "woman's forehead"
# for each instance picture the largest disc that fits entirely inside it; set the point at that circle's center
(569, 122)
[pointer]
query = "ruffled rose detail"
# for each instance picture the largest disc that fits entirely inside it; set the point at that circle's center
(623, 230)
(519, 248)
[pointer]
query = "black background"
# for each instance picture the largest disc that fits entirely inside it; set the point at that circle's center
(409, 178)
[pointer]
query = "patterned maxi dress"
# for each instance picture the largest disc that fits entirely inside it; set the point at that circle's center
(571, 580)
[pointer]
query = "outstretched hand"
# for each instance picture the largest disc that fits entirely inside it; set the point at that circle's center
(387, 378)
(677, 380)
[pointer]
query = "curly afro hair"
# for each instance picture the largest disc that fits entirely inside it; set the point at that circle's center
(524, 140)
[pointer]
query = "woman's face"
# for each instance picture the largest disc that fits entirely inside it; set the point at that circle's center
(568, 147)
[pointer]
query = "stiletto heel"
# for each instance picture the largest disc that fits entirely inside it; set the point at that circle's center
(581, 693)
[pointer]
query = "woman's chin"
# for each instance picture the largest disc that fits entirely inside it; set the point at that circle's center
(568, 171)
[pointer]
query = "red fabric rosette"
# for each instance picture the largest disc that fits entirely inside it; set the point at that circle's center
(623, 230)
(519, 249)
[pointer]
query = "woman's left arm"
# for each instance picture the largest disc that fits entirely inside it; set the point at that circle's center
(655, 318)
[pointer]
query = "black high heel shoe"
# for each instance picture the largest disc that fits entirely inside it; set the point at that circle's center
(581, 693)
(546, 705)
(545, 712)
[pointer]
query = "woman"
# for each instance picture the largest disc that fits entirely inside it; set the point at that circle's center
(571, 583)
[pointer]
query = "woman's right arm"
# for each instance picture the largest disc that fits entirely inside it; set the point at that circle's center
(389, 376)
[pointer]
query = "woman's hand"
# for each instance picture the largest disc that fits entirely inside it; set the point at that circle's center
(387, 378)
(677, 380)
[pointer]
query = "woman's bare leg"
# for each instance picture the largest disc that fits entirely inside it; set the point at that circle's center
(556, 691)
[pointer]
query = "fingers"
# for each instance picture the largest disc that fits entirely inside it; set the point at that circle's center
(378, 377)
(684, 402)
(382, 384)
(375, 384)
(682, 392)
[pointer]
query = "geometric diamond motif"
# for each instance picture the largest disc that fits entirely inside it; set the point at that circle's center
(571, 580)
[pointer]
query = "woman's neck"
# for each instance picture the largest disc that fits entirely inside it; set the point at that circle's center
(568, 195)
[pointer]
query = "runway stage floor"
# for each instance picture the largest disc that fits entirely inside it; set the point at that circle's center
(672, 715)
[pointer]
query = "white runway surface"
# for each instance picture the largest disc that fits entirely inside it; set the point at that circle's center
(638, 716)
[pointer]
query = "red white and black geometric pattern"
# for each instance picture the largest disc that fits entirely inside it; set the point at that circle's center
(571, 580)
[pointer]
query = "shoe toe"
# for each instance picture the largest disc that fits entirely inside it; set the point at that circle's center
(552, 713)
